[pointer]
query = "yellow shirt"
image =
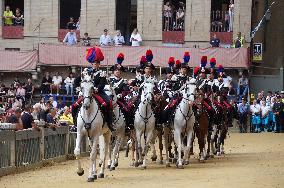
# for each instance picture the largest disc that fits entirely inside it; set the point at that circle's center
(8, 21)
(68, 118)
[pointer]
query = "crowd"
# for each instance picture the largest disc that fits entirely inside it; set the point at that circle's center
(173, 17)
(238, 42)
(10, 18)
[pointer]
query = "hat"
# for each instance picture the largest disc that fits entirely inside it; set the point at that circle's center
(220, 69)
(171, 64)
(178, 64)
(212, 63)
(203, 64)
(94, 55)
(149, 58)
(186, 58)
(119, 60)
(195, 72)
(105, 30)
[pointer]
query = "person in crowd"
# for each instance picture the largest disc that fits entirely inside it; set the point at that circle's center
(78, 24)
(16, 81)
(56, 83)
(215, 42)
(15, 118)
(259, 97)
(69, 84)
(51, 119)
(239, 41)
(231, 15)
(44, 111)
(180, 19)
(135, 38)
(227, 21)
(86, 40)
(18, 18)
(29, 87)
(53, 102)
(46, 83)
(277, 109)
(71, 24)
(8, 16)
(70, 38)
(27, 118)
(66, 116)
(2, 90)
(242, 89)
(20, 94)
(36, 111)
(118, 39)
(217, 21)
(60, 103)
(167, 12)
(232, 92)
(105, 39)
(264, 115)
(243, 110)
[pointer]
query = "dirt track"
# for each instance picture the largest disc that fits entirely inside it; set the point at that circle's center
(251, 160)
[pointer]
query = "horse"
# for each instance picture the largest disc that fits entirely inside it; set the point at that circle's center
(90, 122)
(119, 125)
(184, 121)
(144, 121)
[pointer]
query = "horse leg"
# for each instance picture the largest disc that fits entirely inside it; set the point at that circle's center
(105, 142)
(177, 137)
(116, 151)
(138, 148)
(166, 140)
(188, 144)
(80, 170)
(149, 138)
(212, 139)
(93, 155)
(109, 152)
(160, 137)
(152, 144)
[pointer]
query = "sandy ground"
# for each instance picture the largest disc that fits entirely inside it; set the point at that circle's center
(251, 160)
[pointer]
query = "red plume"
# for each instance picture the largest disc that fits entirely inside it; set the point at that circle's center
(196, 70)
(171, 60)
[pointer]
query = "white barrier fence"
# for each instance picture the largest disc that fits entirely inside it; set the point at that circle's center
(24, 149)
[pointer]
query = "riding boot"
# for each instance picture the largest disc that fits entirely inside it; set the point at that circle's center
(74, 112)
(109, 120)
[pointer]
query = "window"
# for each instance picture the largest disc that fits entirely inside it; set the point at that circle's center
(17, 8)
(222, 15)
(12, 49)
(173, 15)
(70, 11)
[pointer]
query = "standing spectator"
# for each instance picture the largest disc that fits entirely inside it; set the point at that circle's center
(277, 109)
(70, 38)
(105, 39)
(215, 42)
(69, 83)
(46, 83)
(180, 19)
(227, 21)
(118, 39)
(16, 81)
(56, 83)
(167, 11)
(71, 24)
(78, 24)
(29, 89)
(135, 38)
(2, 90)
(27, 118)
(264, 115)
(243, 110)
(239, 41)
(18, 18)
(15, 118)
(20, 94)
(242, 89)
(44, 111)
(86, 40)
(255, 110)
(36, 111)
(8, 16)
(231, 14)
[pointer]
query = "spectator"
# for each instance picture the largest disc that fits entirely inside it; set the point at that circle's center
(15, 118)
(18, 18)
(71, 24)
(217, 21)
(53, 102)
(66, 116)
(51, 119)
(231, 15)
(36, 111)
(118, 39)
(56, 83)
(78, 24)
(16, 81)
(167, 11)
(46, 83)
(8, 16)
(2, 90)
(232, 92)
(105, 39)
(135, 38)
(70, 38)
(60, 103)
(243, 110)
(29, 89)
(242, 89)
(215, 42)
(44, 111)
(255, 110)
(20, 94)
(259, 98)
(180, 19)
(264, 115)
(69, 83)
(227, 21)
(277, 109)
(86, 40)
(239, 41)
(27, 118)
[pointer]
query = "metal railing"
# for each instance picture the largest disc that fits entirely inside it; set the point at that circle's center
(220, 21)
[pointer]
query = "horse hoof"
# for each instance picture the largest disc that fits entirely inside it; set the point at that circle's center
(186, 162)
(80, 173)
(202, 160)
(154, 158)
(90, 179)
(116, 164)
(211, 156)
(174, 160)
(101, 175)
(168, 165)
(218, 153)
(143, 167)
(112, 168)
(160, 162)
(170, 160)
(136, 164)
(223, 152)
(108, 166)
(100, 164)
(180, 167)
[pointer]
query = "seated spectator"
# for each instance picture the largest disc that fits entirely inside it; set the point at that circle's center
(118, 39)
(17, 104)
(18, 18)
(215, 42)
(8, 16)
(69, 83)
(53, 102)
(46, 83)
(15, 118)
(71, 24)
(60, 103)
(217, 21)
(29, 87)
(2, 90)
(70, 38)
(105, 39)
(27, 118)
(44, 111)
(239, 41)
(180, 19)
(66, 116)
(242, 89)
(21, 93)
(86, 40)
(36, 111)
(56, 83)
(51, 118)
(16, 81)
(135, 38)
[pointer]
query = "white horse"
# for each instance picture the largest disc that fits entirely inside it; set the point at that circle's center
(89, 122)
(119, 125)
(184, 121)
(144, 122)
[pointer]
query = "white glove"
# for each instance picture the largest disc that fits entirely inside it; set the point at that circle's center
(119, 96)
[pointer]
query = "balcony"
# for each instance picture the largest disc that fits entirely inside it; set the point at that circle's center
(176, 37)
(63, 32)
(12, 32)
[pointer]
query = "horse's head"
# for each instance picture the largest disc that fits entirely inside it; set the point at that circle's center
(87, 88)
(147, 92)
(109, 90)
(189, 90)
